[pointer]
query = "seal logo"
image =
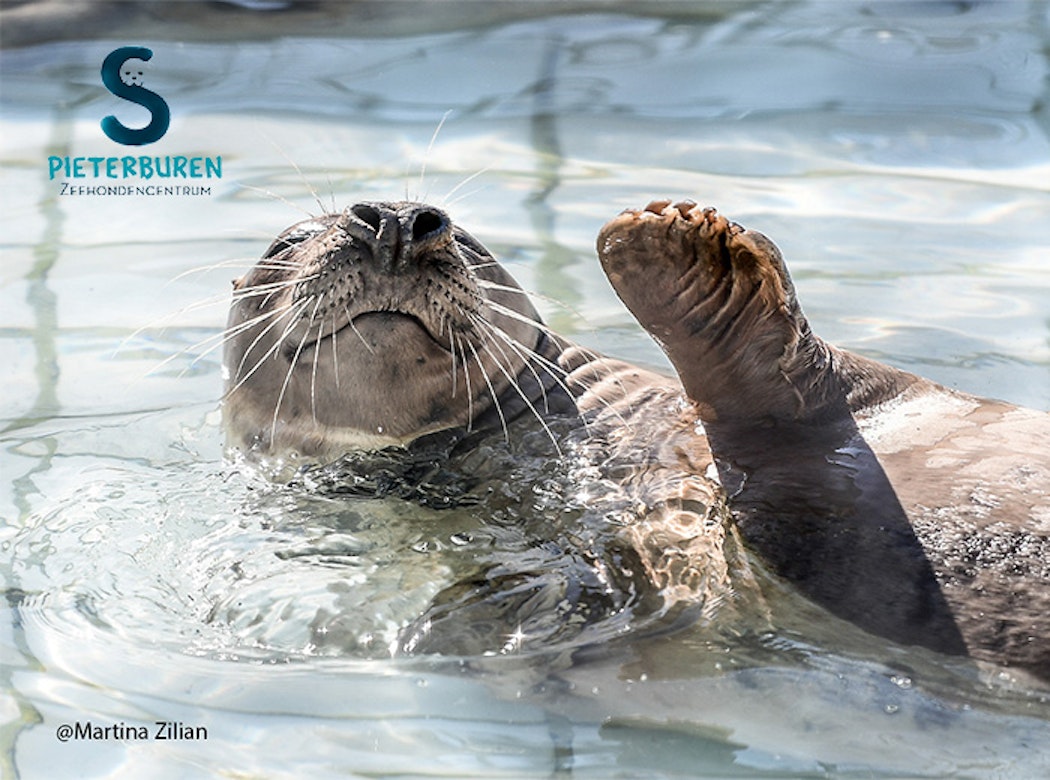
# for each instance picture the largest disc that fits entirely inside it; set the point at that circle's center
(126, 82)
(131, 76)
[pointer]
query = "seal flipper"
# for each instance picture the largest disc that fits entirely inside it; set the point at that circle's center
(806, 490)
(718, 299)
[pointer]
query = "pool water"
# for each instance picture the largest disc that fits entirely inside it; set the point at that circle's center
(898, 153)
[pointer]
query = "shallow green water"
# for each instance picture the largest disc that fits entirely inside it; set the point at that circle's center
(898, 154)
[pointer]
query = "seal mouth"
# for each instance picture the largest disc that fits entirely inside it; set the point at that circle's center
(349, 327)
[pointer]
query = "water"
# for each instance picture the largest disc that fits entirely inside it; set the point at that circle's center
(899, 156)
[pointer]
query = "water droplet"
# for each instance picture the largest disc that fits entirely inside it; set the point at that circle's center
(901, 681)
(892, 709)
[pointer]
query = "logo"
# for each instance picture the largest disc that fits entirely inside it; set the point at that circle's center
(134, 174)
(125, 81)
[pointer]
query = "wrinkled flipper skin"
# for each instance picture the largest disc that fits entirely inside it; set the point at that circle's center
(919, 513)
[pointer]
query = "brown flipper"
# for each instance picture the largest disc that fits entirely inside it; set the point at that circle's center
(718, 299)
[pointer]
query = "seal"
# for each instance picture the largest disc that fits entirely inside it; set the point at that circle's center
(387, 341)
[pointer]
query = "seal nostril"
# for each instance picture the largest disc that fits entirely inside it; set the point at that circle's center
(427, 223)
(368, 215)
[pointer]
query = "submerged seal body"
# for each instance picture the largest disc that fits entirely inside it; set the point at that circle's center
(918, 513)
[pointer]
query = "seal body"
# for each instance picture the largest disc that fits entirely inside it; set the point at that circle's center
(918, 513)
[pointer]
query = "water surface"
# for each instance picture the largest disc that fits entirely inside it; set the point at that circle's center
(899, 155)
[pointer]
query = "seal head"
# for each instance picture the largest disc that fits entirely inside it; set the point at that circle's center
(372, 328)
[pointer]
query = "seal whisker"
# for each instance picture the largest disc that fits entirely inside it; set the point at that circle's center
(458, 342)
(294, 316)
(516, 315)
(350, 322)
(266, 355)
(469, 193)
(448, 195)
(335, 351)
(524, 353)
(452, 351)
(278, 284)
(226, 333)
(557, 373)
(271, 264)
(486, 264)
(589, 353)
(282, 199)
(205, 303)
(553, 370)
(560, 375)
(430, 148)
(258, 364)
(159, 322)
(490, 285)
(524, 397)
(492, 391)
(270, 287)
(302, 177)
(219, 338)
(317, 352)
(288, 376)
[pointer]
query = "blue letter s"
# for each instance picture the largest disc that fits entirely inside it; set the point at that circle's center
(111, 126)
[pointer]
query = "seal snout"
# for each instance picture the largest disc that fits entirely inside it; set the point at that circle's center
(399, 234)
(399, 257)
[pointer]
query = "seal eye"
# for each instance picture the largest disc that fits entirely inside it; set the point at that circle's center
(296, 234)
